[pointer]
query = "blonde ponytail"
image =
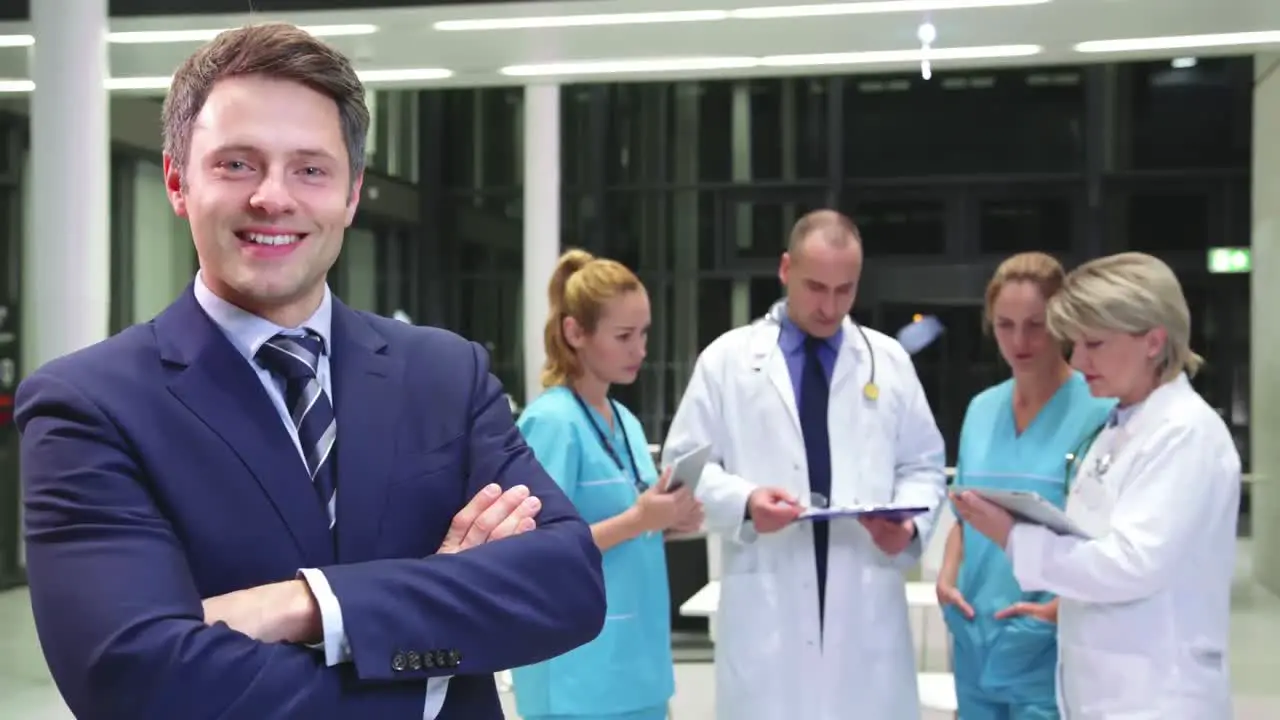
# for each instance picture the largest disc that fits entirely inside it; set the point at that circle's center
(580, 287)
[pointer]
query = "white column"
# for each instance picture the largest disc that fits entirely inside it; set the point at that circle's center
(541, 222)
(66, 257)
(1264, 421)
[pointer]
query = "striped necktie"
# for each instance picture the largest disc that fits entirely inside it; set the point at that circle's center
(296, 360)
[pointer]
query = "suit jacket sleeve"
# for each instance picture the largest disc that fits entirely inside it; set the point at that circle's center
(117, 611)
(506, 604)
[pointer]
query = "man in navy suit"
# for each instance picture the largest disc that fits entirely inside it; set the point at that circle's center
(263, 504)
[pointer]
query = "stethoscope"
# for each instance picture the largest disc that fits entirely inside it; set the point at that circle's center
(871, 391)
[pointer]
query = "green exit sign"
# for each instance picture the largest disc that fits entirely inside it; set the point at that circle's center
(1230, 260)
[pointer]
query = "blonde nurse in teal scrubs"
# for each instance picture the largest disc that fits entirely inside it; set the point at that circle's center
(595, 449)
(1016, 436)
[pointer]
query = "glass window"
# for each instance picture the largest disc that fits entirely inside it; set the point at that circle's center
(906, 226)
(989, 121)
(1191, 117)
(1017, 224)
(1171, 221)
(757, 225)
(664, 134)
(485, 130)
(653, 231)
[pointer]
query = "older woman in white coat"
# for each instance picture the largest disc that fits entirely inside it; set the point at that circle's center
(1143, 619)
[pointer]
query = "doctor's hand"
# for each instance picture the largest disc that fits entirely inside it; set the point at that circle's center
(660, 508)
(984, 516)
(1044, 612)
(491, 515)
(772, 509)
(891, 536)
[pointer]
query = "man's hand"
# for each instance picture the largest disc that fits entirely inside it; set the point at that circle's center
(491, 515)
(891, 536)
(279, 612)
(772, 509)
(1044, 612)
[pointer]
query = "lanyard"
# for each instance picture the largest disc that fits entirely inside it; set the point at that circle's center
(641, 486)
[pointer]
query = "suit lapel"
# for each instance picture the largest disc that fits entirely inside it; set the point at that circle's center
(216, 383)
(367, 388)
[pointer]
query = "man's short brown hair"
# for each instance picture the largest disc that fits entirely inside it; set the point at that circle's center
(275, 50)
(833, 226)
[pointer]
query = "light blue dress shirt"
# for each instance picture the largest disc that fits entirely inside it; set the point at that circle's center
(248, 332)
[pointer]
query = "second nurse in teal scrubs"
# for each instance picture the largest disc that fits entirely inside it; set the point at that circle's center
(1018, 435)
(595, 449)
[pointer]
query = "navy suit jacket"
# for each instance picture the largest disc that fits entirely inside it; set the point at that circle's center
(156, 472)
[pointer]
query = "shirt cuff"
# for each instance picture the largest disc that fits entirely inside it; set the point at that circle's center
(335, 646)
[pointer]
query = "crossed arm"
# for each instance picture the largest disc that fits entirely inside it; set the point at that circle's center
(123, 626)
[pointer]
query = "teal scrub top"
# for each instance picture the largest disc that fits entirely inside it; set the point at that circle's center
(1013, 660)
(628, 667)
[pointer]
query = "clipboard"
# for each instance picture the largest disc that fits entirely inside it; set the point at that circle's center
(687, 469)
(896, 513)
(1032, 508)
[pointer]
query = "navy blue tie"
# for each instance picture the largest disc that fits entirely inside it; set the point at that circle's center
(296, 359)
(814, 394)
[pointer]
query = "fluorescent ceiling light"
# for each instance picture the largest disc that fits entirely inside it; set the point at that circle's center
(151, 37)
(16, 86)
(17, 41)
(870, 7)
(379, 76)
(139, 83)
(612, 67)
(162, 82)
(555, 21)
(882, 57)
(1180, 42)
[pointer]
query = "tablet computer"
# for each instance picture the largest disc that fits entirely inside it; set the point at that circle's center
(1032, 508)
(687, 469)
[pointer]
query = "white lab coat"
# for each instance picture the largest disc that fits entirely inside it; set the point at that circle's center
(1144, 610)
(770, 661)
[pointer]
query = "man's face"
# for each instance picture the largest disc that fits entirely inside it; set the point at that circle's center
(822, 281)
(268, 193)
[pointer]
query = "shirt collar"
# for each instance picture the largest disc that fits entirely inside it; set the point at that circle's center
(248, 332)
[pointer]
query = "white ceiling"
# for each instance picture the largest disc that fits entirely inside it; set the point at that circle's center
(406, 39)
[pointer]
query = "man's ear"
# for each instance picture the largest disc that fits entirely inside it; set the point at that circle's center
(353, 201)
(173, 186)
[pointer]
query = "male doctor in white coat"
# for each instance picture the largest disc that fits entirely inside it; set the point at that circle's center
(800, 406)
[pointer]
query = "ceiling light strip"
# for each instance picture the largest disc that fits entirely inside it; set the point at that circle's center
(871, 7)
(157, 37)
(561, 21)
(373, 77)
(1180, 42)
(693, 64)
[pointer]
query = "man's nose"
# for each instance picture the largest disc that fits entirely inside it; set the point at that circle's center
(272, 196)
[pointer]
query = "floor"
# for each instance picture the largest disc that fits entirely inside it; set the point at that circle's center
(26, 692)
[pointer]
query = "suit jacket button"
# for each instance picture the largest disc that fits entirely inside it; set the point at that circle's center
(415, 661)
(442, 659)
(428, 660)
(399, 662)
(455, 658)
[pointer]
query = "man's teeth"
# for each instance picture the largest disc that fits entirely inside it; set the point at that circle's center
(272, 239)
